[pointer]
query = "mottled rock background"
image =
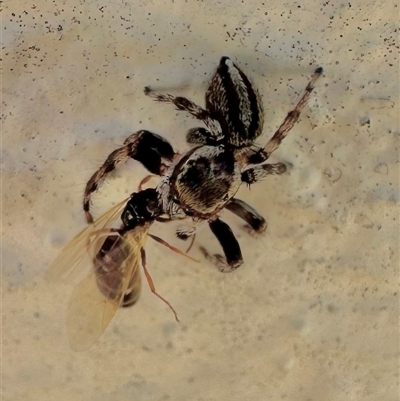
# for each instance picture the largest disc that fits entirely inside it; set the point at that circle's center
(314, 312)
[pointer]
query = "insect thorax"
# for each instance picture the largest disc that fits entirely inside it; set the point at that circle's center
(201, 182)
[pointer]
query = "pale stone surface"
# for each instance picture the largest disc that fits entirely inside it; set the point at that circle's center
(313, 314)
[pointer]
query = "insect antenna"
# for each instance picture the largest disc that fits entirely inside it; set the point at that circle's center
(191, 243)
(152, 286)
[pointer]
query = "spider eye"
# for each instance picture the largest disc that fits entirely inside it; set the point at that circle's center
(176, 200)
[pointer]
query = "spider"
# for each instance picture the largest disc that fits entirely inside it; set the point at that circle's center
(200, 183)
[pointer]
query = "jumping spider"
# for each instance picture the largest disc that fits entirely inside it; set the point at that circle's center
(202, 182)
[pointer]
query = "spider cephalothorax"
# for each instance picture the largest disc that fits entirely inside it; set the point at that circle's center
(200, 183)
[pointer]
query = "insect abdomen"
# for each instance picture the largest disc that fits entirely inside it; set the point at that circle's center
(108, 264)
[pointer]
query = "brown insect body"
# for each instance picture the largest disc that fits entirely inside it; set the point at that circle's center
(110, 265)
(112, 275)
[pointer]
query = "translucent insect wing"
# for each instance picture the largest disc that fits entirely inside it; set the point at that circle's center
(74, 259)
(90, 311)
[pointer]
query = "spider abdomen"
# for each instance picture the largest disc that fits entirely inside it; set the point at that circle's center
(236, 104)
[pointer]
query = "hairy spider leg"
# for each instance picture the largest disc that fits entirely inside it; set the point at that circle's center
(292, 116)
(201, 136)
(254, 174)
(229, 245)
(143, 146)
(248, 214)
(184, 104)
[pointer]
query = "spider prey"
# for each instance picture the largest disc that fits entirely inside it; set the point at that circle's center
(202, 182)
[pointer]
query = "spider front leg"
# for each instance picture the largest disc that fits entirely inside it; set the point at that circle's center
(182, 103)
(230, 246)
(292, 117)
(143, 146)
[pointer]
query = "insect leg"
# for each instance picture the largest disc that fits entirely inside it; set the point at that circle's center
(143, 146)
(247, 213)
(230, 246)
(151, 283)
(145, 181)
(252, 175)
(292, 116)
(182, 103)
(191, 243)
(173, 248)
